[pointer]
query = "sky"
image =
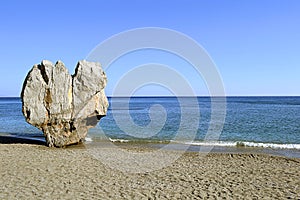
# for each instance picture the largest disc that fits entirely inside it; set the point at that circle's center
(255, 44)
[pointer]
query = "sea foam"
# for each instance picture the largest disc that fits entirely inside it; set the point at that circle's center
(272, 145)
(118, 140)
(245, 144)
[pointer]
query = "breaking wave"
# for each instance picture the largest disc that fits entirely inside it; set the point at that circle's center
(246, 144)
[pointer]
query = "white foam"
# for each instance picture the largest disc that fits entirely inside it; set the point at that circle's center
(247, 144)
(88, 139)
(118, 140)
(272, 145)
(218, 143)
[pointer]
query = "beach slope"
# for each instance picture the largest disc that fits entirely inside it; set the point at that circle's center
(35, 171)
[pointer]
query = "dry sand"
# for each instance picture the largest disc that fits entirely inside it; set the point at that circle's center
(31, 171)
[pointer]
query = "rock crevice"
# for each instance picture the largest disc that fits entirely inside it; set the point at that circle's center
(64, 107)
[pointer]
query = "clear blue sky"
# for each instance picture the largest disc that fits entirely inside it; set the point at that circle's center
(254, 43)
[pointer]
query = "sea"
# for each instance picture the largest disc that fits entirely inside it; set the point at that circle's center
(266, 124)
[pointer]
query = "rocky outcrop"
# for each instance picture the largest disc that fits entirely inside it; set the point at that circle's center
(64, 107)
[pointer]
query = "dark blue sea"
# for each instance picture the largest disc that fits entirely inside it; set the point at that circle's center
(264, 122)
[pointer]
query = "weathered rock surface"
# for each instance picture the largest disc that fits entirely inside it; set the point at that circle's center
(64, 107)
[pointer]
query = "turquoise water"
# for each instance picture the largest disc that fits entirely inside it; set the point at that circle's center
(250, 121)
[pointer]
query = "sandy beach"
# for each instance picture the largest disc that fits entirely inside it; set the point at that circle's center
(30, 171)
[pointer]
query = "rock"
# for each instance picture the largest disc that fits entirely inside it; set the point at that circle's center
(64, 107)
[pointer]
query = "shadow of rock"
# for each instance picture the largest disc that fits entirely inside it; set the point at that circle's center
(20, 140)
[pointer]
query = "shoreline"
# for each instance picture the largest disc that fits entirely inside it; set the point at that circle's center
(39, 140)
(288, 153)
(36, 171)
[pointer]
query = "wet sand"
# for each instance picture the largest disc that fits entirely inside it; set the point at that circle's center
(32, 171)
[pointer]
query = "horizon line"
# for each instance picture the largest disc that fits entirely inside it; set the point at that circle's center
(109, 96)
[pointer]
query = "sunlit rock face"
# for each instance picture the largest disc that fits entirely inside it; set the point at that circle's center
(64, 107)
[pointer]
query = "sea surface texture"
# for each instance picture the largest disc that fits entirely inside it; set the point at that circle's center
(267, 122)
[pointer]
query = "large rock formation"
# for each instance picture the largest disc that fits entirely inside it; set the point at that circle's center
(64, 107)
